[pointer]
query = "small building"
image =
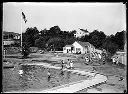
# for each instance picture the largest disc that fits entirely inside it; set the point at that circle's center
(68, 49)
(33, 49)
(11, 35)
(81, 32)
(79, 47)
(98, 51)
(8, 41)
(119, 57)
(10, 38)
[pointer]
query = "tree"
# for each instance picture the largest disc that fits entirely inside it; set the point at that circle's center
(30, 36)
(120, 39)
(97, 38)
(84, 38)
(44, 32)
(25, 50)
(109, 46)
(69, 41)
(55, 30)
(41, 42)
(56, 43)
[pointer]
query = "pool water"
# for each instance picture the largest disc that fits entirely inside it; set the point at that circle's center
(36, 77)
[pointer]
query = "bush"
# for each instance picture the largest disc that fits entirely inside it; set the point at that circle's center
(25, 51)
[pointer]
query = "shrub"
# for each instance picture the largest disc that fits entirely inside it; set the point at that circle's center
(25, 50)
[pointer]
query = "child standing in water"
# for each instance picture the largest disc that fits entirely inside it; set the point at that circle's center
(71, 64)
(49, 75)
(68, 64)
(62, 64)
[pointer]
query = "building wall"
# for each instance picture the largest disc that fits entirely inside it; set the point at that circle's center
(98, 51)
(65, 49)
(86, 49)
(76, 45)
(120, 57)
(6, 42)
(17, 37)
(79, 34)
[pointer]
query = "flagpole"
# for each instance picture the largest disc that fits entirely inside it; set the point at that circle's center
(21, 28)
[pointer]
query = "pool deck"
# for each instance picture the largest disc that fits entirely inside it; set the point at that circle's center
(95, 78)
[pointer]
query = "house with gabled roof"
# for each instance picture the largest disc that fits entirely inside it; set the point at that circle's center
(10, 38)
(68, 49)
(120, 56)
(79, 47)
(81, 32)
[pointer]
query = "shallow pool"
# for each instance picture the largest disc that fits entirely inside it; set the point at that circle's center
(36, 77)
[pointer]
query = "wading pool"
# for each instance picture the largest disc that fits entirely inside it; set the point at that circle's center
(35, 77)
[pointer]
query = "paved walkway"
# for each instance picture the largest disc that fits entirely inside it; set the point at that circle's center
(77, 71)
(71, 87)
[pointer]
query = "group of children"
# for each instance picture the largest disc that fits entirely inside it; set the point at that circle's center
(68, 65)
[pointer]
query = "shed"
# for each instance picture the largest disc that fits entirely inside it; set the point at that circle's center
(79, 47)
(68, 49)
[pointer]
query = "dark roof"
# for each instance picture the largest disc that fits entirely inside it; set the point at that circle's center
(84, 30)
(13, 33)
(8, 39)
(117, 55)
(69, 46)
(83, 43)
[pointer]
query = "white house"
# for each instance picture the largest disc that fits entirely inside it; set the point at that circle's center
(81, 32)
(79, 47)
(120, 56)
(10, 38)
(8, 41)
(17, 36)
(68, 49)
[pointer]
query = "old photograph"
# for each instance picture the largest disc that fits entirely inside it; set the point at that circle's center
(64, 47)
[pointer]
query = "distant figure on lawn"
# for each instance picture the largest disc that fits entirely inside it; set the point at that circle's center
(20, 72)
(70, 64)
(62, 64)
(49, 75)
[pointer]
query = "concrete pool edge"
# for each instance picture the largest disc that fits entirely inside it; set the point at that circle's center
(70, 87)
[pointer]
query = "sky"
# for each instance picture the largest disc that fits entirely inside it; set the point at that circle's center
(107, 17)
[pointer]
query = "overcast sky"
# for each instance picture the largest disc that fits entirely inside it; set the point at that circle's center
(107, 17)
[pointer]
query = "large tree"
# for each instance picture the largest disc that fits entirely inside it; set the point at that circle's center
(41, 42)
(97, 38)
(55, 43)
(55, 30)
(120, 39)
(30, 36)
(110, 46)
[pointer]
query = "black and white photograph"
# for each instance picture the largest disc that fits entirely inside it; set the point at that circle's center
(64, 47)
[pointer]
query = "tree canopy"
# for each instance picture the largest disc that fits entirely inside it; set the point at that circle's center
(55, 38)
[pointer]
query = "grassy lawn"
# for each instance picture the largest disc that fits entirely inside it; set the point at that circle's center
(113, 72)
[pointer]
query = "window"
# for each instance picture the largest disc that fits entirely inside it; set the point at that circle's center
(78, 50)
(64, 48)
(72, 48)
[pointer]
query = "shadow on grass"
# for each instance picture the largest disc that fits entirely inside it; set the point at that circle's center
(47, 61)
(13, 56)
(18, 57)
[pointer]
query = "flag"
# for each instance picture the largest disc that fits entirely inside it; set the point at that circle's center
(23, 15)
